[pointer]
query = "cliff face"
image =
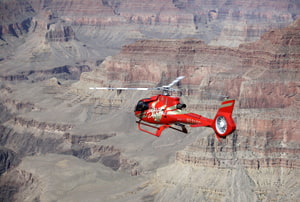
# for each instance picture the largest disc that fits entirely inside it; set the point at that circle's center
(46, 34)
(94, 146)
(220, 23)
(264, 79)
(261, 76)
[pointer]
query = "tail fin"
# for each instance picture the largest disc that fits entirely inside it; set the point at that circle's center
(223, 123)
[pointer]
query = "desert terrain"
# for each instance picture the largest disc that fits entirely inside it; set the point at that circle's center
(61, 141)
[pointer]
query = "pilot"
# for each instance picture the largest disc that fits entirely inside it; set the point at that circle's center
(180, 106)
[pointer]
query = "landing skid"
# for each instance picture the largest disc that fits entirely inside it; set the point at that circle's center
(160, 128)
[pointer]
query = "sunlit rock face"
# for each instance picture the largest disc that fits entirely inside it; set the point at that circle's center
(264, 79)
(62, 142)
(228, 23)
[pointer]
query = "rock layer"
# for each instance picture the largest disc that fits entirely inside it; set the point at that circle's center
(225, 22)
(92, 136)
(264, 79)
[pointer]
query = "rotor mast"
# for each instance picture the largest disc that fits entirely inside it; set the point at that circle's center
(166, 89)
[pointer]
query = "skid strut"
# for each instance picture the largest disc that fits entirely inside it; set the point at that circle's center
(160, 128)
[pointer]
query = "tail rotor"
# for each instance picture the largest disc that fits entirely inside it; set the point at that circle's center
(223, 123)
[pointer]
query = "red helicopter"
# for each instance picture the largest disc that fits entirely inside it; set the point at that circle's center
(166, 110)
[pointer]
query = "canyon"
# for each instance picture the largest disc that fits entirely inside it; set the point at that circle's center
(61, 141)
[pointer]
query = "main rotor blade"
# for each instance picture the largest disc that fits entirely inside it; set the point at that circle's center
(108, 88)
(175, 81)
(165, 89)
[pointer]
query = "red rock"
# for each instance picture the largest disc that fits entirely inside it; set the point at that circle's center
(260, 76)
(230, 23)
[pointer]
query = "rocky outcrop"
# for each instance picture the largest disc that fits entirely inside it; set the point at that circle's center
(261, 76)
(18, 77)
(60, 34)
(263, 153)
(67, 72)
(220, 23)
(30, 123)
(235, 184)
(43, 111)
(42, 137)
(15, 17)
(260, 151)
(27, 136)
(8, 159)
(19, 185)
(147, 61)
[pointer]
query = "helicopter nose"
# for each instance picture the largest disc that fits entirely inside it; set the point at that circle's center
(138, 114)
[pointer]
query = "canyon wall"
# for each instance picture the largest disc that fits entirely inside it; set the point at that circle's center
(263, 77)
(47, 34)
(258, 75)
(220, 23)
(61, 141)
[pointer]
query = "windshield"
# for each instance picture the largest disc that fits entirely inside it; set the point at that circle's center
(141, 106)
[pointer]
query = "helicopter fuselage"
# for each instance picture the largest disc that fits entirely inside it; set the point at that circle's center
(162, 109)
(166, 110)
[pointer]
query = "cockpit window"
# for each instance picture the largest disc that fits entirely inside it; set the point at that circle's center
(141, 106)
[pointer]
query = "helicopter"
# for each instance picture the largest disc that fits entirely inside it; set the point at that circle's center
(164, 111)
